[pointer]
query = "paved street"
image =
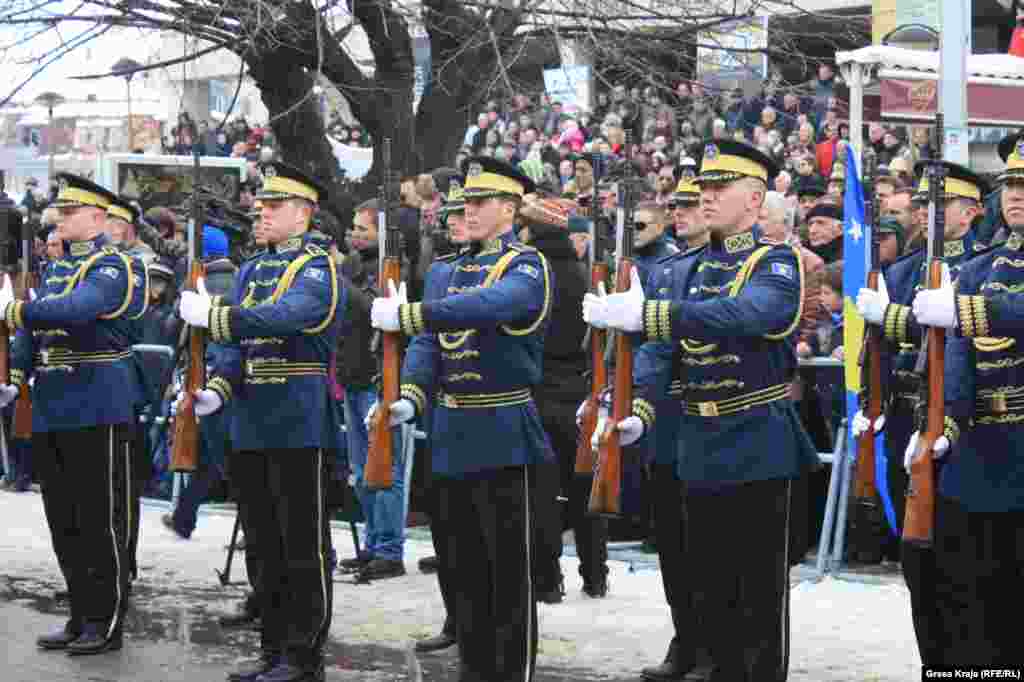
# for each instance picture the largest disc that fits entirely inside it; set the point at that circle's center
(843, 630)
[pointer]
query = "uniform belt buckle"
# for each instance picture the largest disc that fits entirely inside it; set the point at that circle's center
(708, 409)
(997, 404)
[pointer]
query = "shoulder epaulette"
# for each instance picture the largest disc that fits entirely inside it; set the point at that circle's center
(110, 250)
(314, 250)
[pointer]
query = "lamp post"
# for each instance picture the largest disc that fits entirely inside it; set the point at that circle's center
(126, 68)
(50, 100)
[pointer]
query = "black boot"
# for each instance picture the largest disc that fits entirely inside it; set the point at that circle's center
(435, 643)
(429, 564)
(60, 639)
(250, 670)
(94, 640)
(596, 587)
(553, 594)
(295, 669)
(674, 668)
(380, 569)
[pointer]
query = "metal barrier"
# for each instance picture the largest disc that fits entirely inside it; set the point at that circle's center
(832, 541)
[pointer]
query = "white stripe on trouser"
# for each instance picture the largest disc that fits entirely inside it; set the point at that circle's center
(127, 498)
(320, 543)
(784, 639)
(529, 576)
(113, 538)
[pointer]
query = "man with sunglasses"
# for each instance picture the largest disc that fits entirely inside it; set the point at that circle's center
(688, 224)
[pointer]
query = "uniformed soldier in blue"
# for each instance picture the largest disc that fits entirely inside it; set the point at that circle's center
(75, 340)
(732, 312)
(889, 308)
(121, 213)
(684, 206)
(453, 213)
(979, 512)
(278, 330)
(477, 352)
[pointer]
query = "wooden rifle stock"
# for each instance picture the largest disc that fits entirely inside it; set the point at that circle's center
(21, 423)
(605, 492)
(919, 517)
(919, 520)
(865, 489)
(380, 453)
(381, 456)
(598, 381)
(185, 451)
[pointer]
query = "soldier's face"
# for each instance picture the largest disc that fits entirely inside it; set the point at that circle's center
(689, 223)
(485, 218)
(724, 205)
(77, 223)
(117, 229)
(284, 219)
(1013, 203)
(457, 232)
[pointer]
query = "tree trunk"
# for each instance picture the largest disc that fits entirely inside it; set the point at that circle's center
(300, 132)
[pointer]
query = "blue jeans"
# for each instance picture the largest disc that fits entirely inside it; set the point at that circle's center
(384, 510)
(212, 444)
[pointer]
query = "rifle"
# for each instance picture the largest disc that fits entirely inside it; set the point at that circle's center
(21, 425)
(606, 489)
(919, 520)
(185, 451)
(595, 338)
(380, 454)
(864, 487)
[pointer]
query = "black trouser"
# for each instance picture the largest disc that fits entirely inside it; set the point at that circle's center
(253, 558)
(590, 532)
(138, 471)
(489, 558)
(85, 497)
(979, 573)
(440, 533)
(918, 563)
(745, 588)
(677, 562)
(283, 495)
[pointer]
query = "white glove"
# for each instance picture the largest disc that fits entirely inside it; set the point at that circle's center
(402, 410)
(630, 429)
(7, 394)
(871, 304)
(579, 413)
(937, 307)
(941, 446)
(625, 310)
(195, 305)
(6, 294)
(594, 309)
(384, 311)
(861, 424)
(206, 402)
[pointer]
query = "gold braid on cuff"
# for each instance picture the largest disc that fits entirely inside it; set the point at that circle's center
(644, 410)
(415, 394)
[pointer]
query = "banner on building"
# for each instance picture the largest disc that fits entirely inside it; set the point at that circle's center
(731, 51)
(569, 85)
(917, 100)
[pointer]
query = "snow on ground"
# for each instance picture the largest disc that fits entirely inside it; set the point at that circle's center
(842, 630)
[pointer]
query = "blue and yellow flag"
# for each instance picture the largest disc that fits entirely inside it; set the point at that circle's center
(856, 265)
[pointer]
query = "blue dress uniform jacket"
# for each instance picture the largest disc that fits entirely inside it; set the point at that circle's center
(648, 259)
(478, 350)
(278, 330)
(649, 356)
(731, 311)
(984, 382)
(76, 338)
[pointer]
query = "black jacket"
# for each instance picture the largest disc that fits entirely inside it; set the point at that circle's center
(565, 361)
(357, 365)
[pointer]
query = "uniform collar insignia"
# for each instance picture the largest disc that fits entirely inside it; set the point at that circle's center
(953, 249)
(83, 248)
(292, 244)
(743, 241)
(1015, 242)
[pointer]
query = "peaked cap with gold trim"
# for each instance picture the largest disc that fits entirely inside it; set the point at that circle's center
(687, 192)
(281, 181)
(728, 160)
(74, 190)
(961, 182)
(123, 209)
(487, 177)
(1011, 151)
(455, 202)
